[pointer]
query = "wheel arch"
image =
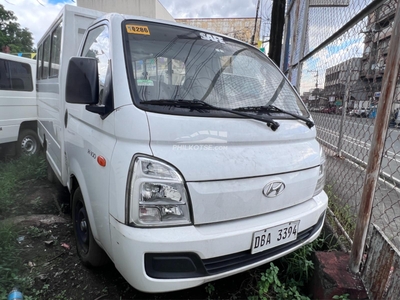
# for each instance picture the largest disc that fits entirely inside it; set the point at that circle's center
(28, 125)
(76, 180)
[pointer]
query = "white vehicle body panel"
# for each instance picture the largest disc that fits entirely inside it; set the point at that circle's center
(225, 162)
(51, 103)
(239, 153)
(207, 241)
(17, 106)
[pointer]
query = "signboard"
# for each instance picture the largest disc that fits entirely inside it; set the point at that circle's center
(330, 3)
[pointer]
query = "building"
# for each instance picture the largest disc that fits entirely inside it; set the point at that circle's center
(238, 28)
(376, 45)
(144, 8)
(346, 75)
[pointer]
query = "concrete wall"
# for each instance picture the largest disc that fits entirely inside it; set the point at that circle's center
(145, 8)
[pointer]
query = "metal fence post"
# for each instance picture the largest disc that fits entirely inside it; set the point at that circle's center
(294, 39)
(302, 43)
(344, 109)
(377, 145)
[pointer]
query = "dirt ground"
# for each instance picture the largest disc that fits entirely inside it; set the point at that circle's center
(47, 244)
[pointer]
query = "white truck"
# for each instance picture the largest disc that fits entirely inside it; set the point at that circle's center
(18, 107)
(188, 155)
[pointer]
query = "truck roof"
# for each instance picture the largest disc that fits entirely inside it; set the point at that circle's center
(17, 58)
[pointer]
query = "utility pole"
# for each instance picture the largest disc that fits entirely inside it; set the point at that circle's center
(276, 34)
(255, 23)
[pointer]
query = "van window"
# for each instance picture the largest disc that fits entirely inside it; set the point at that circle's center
(39, 60)
(97, 45)
(15, 76)
(55, 51)
(46, 58)
(173, 63)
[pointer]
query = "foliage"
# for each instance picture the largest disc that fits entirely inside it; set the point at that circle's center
(210, 289)
(341, 297)
(11, 34)
(10, 263)
(299, 264)
(297, 270)
(36, 232)
(270, 287)
(342, 212)
(14, 175)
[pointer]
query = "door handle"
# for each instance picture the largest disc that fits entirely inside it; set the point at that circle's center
(66, 118)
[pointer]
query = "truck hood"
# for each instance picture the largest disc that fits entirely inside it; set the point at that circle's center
(211, 148)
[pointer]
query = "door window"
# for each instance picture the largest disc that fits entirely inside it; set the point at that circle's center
(97, 45)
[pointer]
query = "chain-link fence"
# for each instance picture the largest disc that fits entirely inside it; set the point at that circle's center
(336, 56)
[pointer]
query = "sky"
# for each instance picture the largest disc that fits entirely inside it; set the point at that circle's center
(37, 15)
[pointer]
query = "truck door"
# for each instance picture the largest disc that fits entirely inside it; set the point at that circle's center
(90, 140)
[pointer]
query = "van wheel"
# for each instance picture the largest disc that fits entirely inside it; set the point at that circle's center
(88, 250)
(28, 143)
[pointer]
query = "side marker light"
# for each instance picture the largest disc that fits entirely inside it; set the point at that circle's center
(101, 161)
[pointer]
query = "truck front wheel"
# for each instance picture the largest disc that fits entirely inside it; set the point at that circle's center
(88, 250)
(28, 143)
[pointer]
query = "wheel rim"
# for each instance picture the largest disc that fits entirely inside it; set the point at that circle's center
(28, 145)
(82, 227)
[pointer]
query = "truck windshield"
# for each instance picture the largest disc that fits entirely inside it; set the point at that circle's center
(167, 62)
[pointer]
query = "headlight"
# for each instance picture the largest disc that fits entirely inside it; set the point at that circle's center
(157, 195)
(321, 174)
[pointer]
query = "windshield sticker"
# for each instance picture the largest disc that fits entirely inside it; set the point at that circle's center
(210, 37)
(145, 82)
(138, 29)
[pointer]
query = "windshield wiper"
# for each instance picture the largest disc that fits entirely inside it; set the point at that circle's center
(273, 108)
(199, 105)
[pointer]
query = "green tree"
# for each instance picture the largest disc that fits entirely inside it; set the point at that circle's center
(11, 34)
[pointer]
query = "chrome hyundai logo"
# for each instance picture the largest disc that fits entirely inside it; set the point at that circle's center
(273, 189)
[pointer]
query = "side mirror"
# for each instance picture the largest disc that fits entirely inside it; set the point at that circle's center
(82, 84)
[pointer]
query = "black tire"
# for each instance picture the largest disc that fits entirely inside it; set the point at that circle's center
(28, 143)
(88, 250)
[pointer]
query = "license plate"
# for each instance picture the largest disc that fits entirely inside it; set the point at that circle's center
(274, 236)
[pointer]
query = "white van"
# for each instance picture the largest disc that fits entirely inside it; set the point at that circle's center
(18, 107)
(188, 155)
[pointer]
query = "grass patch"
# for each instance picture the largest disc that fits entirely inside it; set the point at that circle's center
(343, 214)
(14, 175)
(10, 263)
